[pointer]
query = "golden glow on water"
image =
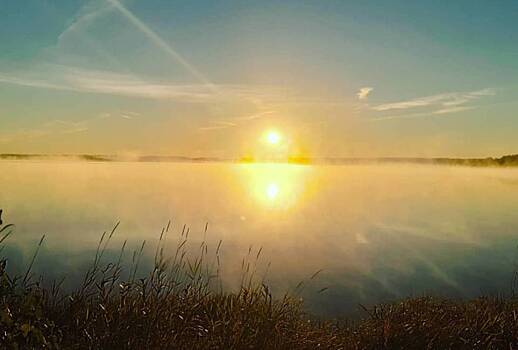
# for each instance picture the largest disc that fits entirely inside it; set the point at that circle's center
(346, 219)
(272, 191)
(279, 186)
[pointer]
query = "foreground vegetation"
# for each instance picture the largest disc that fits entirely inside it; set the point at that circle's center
(177, 305)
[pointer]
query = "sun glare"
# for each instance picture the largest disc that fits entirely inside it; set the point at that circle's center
(273, 137)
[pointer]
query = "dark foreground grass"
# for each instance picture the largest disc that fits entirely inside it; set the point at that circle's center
(177, 306)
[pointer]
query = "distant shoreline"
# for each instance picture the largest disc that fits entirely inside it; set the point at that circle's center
(504, 161)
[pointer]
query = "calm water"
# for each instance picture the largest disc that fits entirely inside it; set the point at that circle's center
(379, 232)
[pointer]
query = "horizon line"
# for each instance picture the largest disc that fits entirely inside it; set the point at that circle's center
(508, 159)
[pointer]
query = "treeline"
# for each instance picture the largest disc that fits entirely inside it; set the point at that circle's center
(505, 161)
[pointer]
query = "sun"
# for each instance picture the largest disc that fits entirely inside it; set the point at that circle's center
(273, 137)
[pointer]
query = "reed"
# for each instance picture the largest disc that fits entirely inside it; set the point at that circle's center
(180, 304)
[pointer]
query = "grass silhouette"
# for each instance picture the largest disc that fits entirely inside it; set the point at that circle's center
(178, 305)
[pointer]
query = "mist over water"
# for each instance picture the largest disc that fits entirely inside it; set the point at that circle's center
(379, 232)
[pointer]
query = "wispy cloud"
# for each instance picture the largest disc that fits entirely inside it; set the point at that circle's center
(418, 102)
(452, 109)
(129, 115)
(160, 43)
(237, 121)
(364, 92)
(123, 115)
(96, 9)
(399, 116)
(35, 83)
(66, 126)
(53, 127)
(456, 102)
(60, 127)
(66, 78)
(86, 15)
(217, 125)
(55, 75)
(440, 104)
(446, 99)
(120, 84)
(257, 115)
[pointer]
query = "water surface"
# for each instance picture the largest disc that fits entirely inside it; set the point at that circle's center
(379, 232)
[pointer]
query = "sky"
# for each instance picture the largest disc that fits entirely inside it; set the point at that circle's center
(209, 78)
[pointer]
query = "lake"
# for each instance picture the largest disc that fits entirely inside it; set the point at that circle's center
(377, 232)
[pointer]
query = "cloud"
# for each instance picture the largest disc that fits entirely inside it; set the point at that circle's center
(57, 126)
(439, 104)
(364, 92)
(95, 50)
(452, 110)
(217, 125)
(121, 84)
(123, 115)
(446, 99)
(58, 77)
(60, 127)
(256, 115)
(129, 115)
(87, 14)
(96, 9)
(456, 102)
(423, 114)
(483, 92)
(35, 83)
(225, 124)
(418, 102)
(161, 44)
(400, 116)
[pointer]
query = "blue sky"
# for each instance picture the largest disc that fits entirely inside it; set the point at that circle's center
(336, 78)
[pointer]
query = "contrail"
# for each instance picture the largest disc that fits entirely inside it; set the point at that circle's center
(157, 40)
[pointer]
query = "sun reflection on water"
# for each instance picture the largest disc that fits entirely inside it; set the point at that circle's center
(276, 185)
(272, 191)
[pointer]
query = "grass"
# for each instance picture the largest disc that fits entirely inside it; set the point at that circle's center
(179, 304)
